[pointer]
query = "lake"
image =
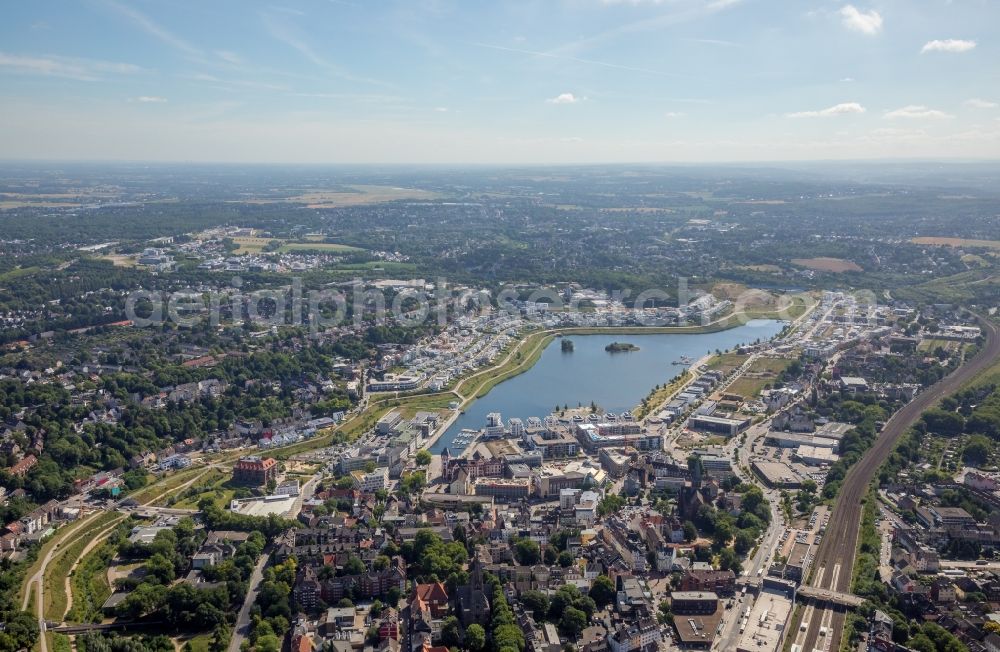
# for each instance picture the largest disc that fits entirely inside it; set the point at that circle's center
(614, 381)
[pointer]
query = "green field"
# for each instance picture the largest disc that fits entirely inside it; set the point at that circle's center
(90, 585)
(167, 484)
(58, 570)
(728, 362)
(215, 484)
(762, 372)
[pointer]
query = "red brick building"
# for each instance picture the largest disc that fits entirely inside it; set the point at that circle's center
(255, 471)
(716, 581)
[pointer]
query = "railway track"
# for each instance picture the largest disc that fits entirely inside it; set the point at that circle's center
(839, 546)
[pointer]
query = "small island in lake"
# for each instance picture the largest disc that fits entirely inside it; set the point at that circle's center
(620, 347)
(567, 346)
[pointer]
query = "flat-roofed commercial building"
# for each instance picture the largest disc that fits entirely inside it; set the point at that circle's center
(833, 430)
(816, 456)
(777, 475)
(766, 623)
(503, 489)
(721, 425)
(796, 439)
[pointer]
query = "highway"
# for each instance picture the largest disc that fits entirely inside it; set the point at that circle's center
(834, 562)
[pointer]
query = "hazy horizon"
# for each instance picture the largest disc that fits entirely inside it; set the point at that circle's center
(574, 81)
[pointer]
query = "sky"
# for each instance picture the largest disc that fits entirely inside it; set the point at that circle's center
(499, 81)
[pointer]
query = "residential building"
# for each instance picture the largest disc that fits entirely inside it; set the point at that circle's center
(693, 602)
(255, 471)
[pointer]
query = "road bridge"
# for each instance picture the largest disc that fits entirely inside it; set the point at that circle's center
(828, 595)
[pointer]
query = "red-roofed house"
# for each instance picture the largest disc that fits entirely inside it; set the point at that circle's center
(21, 469)
(434, 596)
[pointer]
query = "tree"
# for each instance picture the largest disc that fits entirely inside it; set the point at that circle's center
(354, 566)
(451, 632)
(220, 638)
(413, 483)
(723, 533)
(610, 504)
(535, 601)
(977, 450)
(393, 596)
(664, 615)
(729, 561)
(21, 631)
(943, 422)
(573, 622)
(527, 552)
(744, 542)
(160, 568)
(508, 636)
(690, 531)
(602, 591)
(565, 559)
(475, 637)
(267, 643)
(921, 643)
(423, 457)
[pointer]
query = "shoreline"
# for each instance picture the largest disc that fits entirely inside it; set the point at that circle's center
(549, 335)
(443, 428)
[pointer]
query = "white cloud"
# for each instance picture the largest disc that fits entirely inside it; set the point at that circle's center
(229, 57)
(866, 22)
(977, 103)
(916, 111)
(716, 41)
(441, 109)
(953, 45)
(150, 26)
(844, 108)
(151, 99)
(673, 114)
(564, 98)
(56, 66)
(847, 80)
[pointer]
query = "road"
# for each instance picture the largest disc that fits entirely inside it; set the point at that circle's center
(242, 628)
(96, 541)
(834, 561)
(759, 561)
(38, 581)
